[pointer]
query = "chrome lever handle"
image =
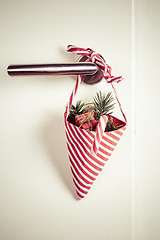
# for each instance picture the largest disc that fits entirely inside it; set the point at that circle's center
(79, 68)
(89, 71)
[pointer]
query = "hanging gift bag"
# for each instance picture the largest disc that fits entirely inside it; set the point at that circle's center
(89, 150)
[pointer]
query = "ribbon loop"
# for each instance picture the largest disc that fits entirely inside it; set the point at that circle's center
(97, 59)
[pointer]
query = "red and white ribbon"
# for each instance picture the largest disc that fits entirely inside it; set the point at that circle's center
(72, 96)
(99, 134)
(97, 59)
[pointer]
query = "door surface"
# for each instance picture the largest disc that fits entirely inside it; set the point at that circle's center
(38, 198)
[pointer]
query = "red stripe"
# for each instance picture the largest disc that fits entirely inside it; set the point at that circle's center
(85, 145)
(95, 147)
(78, 173)
(106, 146)
(70, 101)
(118, 132)
(73, 94)
(103, 144)
(80, 136)
(113, 136)
(78, 51)
(119, 103)
(75, 49)
(104, 152)
(79, 166)
(79, 189)
(92, 134)
(102, 157)
(114, 78)
(88, 153)
(94, 158)
(86, 136)
(74, 175)
(79, 195)
(76, 87)
(81, 152)
(77, 145)
(108, 140)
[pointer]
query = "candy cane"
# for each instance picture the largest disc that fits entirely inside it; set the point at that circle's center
(99, 134)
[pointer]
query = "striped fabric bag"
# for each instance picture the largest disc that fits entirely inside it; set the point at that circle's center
(89, 150)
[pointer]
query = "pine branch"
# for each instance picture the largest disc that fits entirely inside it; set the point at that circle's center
(76, 110)
(103, 104)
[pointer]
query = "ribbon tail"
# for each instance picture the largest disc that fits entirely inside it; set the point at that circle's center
(78, 50)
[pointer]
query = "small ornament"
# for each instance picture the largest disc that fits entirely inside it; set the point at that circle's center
(111, 126)
(86, 120)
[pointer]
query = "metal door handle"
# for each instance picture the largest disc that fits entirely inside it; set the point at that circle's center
(79, 68)
(89, 71)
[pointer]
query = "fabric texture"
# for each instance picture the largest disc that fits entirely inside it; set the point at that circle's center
(89, 151)
(85, 166)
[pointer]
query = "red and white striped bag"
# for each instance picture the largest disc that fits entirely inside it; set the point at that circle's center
(89, 150)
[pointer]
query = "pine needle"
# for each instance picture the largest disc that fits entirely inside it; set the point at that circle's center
(103, 103)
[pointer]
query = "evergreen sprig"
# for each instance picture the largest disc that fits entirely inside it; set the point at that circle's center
(75, 110)
(103, 104)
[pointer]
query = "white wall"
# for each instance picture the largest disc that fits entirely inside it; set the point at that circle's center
(147, 165)
(38, 200)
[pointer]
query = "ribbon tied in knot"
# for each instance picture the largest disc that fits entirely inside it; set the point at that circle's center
(98, 60)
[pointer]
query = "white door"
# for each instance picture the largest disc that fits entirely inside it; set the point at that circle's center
(38, 198)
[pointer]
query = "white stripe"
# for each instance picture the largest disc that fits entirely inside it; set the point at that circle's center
(90, 137)
(98, 133)
(88, 150)
(81, 163)
(74, 93)
(83, 188)
(92, 152)
(105, 119)
(107, 143)
(84, 194)
(112, 132)
(79, 51)
(99, 63)
(103, 141)
(106, 149)
(116, 134)
(112, 139)
(82, 160)
(103, 154)
(80, 179)
(81, 172)
(121, 130)
(89, 166)
(79, 191)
